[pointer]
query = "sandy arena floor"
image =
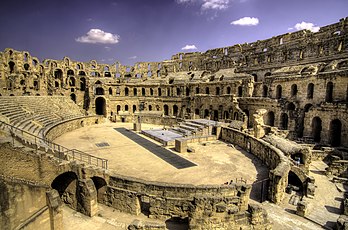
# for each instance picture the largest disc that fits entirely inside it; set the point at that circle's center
(217, 162)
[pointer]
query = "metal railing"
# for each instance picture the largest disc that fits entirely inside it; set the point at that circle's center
(59, 151)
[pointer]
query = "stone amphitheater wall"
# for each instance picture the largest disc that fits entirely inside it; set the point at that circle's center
(275, 159)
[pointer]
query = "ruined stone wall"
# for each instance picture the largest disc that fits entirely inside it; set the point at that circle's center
(276, 161)
(20, 201)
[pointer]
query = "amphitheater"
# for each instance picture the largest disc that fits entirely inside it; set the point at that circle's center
(250, 136)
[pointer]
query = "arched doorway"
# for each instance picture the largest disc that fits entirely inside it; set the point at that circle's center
(279, 92)
(166, 110)
(100, 185)
(316, 129)
(335, 132)
(206, 114)
(294, 182)
(284, 121)
(269, 119)
(175, 110)
(100, 106)
(66, 185)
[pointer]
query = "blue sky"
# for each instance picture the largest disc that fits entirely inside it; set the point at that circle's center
(132, 31)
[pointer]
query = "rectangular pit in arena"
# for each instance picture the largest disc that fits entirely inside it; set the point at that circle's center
(165, 137)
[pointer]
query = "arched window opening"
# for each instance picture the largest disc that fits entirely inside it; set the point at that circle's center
(99, 91)
(126, 108)
(151, 91)
(159, 92)
(254, 77)
(310, 91)
(279, 92)
(166, 110)
(197, 90)
(217, 90)
(26, 66)
(178, 91)
(228, 91)
(126, 91)
(293, 90)
(58, 74)
(150, 107)
(118, 108)
(329, 92)
(188, 91)
(11, 64)
(143, 92)
(207, 90)
(135, 92)
(110, 91)
(175, 110)
(134, 108)
(82, 73)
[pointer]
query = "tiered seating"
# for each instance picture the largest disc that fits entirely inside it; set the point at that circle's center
(32, 114)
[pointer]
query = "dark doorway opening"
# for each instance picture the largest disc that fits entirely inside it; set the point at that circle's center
(100, 106)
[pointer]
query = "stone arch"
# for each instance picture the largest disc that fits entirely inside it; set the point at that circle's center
(335, 132)
(66, 185)
(294, 181)
(207, 90)
(110, 91)
(197, 90)
(143, 91)
(70, 72)
(166, 110)
(135, 91)
(310, 91)
(307, 107)
(217, 91)
(264, 91)
(293, 92)
(159, 92)
(279, 90)
(228, 90)
(269, 118)
(82, 84)
(329, 92)
(100, 106)
(126, 91)
(58, 74)
(316, 129)
(284, 121)
(100, 186)
(11, 65)
(175, 110)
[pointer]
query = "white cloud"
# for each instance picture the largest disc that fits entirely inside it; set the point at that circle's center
(98, 36)
(189, 47)
(307, 26)
(246, 21)
(208, 4)
(215, 4)
(133, 57)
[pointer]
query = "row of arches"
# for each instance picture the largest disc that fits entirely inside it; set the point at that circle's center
(334, 134)
(294, 90)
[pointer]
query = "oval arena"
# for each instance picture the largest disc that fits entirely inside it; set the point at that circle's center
(239, 137)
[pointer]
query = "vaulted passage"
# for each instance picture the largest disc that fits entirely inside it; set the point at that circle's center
(100, 185)
(66, 185)
(316, 129)
(335, 132)
(100, 106)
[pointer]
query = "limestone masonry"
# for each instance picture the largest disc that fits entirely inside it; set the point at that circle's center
(283, 99)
